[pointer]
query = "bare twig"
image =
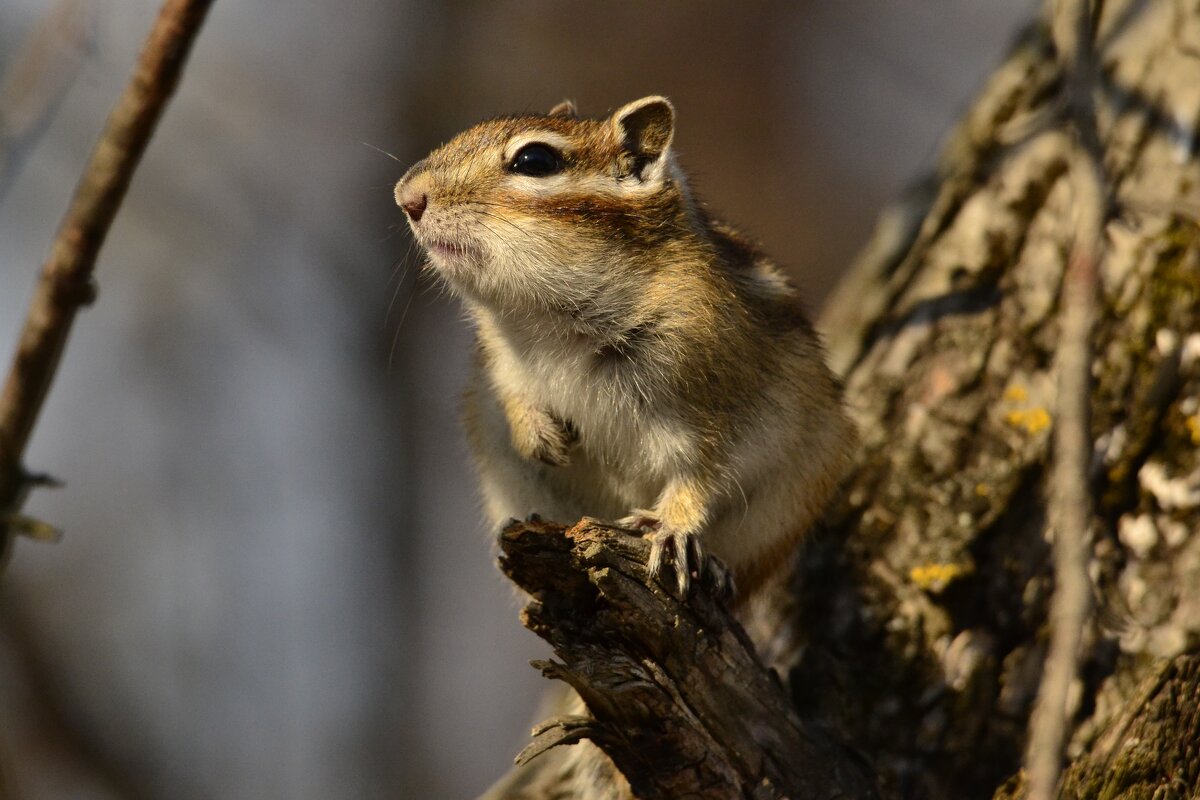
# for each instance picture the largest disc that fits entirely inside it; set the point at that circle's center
(66, 278)
(1070, 500)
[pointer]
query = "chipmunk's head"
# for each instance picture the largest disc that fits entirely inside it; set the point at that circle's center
(529, 213)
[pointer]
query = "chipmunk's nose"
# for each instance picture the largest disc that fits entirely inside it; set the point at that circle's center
(414, 203)
(415, 207)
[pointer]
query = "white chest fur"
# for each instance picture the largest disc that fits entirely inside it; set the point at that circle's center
(635, 444)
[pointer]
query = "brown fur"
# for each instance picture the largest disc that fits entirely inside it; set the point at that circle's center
(638, 359)
(688, 322)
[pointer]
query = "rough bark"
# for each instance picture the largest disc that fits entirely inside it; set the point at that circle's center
(935, 567)
(679, 700)
(1150, 750)
(915, 625)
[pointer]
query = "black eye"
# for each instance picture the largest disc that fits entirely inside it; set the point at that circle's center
(537, 161)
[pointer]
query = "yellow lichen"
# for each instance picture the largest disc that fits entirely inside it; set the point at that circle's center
(1016, 394)
(936, 576)
(1193, 426)
(1033, 420)
(982, 489)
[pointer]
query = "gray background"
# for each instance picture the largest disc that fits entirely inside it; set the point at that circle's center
(275, 581)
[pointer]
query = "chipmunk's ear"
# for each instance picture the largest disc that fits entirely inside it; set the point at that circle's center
(646, 127)
(564, 109)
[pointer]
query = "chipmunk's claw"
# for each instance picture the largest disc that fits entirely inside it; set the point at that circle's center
(684, 553)
(722, 579)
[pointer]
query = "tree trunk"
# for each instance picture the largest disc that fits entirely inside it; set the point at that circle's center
(915, 626)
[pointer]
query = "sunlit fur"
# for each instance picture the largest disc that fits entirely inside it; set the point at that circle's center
(633, 352)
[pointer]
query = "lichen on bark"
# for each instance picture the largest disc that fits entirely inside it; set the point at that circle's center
(933, 572)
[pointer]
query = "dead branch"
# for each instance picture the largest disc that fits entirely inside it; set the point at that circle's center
(65, 283)
(678, 699)
(1070, 495)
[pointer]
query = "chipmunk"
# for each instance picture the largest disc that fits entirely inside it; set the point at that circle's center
(637, 359)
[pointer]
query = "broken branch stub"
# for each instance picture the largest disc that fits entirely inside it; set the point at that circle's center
(679, 699)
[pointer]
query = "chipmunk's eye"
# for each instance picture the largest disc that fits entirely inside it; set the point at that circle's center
(536, 160)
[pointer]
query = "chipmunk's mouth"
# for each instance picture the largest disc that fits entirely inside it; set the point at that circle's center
(449, 250)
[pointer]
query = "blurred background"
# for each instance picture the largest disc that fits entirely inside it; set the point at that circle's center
(275, 580)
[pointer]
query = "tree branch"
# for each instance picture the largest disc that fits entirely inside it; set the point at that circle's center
(1070, 495)
(678, 698)
(65, 284)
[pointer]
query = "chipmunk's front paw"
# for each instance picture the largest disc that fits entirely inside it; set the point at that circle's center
(681, 549)
(684, 552)
(722, 579)
(542, 436)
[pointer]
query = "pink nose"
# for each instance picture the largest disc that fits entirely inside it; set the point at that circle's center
(414, 206)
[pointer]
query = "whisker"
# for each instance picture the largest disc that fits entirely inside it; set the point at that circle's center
(489, 228)
(380, 150)
(392, 229)
(578, 208)
(391, 303)
(402, 266)
(396, 335)
(507, 222)
(399, 262)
